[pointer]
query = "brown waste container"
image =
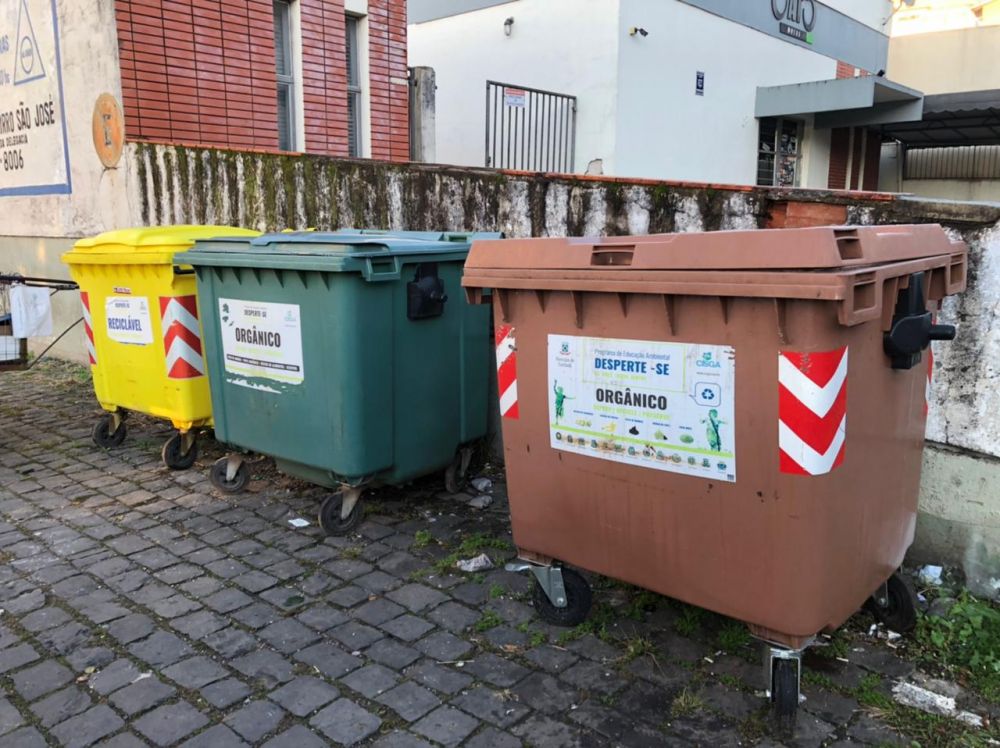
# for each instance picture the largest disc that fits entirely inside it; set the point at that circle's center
(731, 419)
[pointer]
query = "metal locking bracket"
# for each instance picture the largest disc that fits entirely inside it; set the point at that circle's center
(549, 577)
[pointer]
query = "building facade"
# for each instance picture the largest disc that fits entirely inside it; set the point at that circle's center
(693, 90)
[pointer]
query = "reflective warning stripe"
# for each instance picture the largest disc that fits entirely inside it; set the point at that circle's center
(812, 411)
(88, 327)
(181, 338)
(507, 371)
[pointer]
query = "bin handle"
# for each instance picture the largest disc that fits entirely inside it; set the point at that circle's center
(604, 255)
(183, 271)
(381, 268)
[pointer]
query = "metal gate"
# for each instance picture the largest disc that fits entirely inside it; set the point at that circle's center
(529, 129)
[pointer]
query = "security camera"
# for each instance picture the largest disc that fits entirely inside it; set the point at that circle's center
(637, 30)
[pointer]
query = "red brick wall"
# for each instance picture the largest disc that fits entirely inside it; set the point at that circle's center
(840, 139)
(873, 153)
(202, 72)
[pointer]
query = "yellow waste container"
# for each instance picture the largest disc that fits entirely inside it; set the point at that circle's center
(143, 335)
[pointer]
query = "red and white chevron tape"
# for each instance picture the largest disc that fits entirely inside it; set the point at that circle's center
(812, 410)
(88, 327)
(181, 338)
(507, 371)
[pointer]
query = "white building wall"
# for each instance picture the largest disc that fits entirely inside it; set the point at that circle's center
(565, 46)
(665, 131)
(874, 13)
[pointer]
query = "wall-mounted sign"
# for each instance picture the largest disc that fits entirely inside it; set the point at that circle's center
(34, 155)
(699, 83)
(109, 130)
(796, 18)
(514, 97)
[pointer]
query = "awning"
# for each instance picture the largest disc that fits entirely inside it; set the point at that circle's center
(955, 119)
(844, 102)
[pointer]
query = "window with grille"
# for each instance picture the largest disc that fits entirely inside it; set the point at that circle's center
(353, 89)
(779, 152)
(285, 70)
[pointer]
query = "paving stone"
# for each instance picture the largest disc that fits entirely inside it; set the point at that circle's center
(493, 738)
(321, 617)
(545, 732)
(453, 616)
(371, 680)
(446, 725)
(231, 642)
(407, 627)
(442, 679)
(348, 569)
(491, 706)
(345, 722)
(26, 737)
(167, 724)
(288, 635)
(89, 657)
(400, 739)
(264, 665)
(257, 616)
(329, 659)
(286, 599)
(377, 611)
(544, 693)
(123, 740)
(199, 624)
(409, 700)
(60, 706)
(377, 582)
(443, 646)
(142, 695)
(44, 618)
(255, 581)
(417, 597)
(88, 727)
(227, 600)
(217, 736)
(10, 718)
(391, 653)
(624, 730)
(868, 730)
(15, 657)
(347, 596)
(297, 736)
(38, 680)
(225, 692)
(174, 606)
(355, 636)
(594, 677)
(131, 628)
(550, 659)
(304, 695)
(195, 672)
(160, 649)
(496, 670)
(256, 719)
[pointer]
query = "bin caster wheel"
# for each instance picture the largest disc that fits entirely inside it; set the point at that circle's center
(104, 436)
(456, 475)
(578, 599)
(785, 692)
(173, 454)
(896, 605)
(331, 517)
(221, 478)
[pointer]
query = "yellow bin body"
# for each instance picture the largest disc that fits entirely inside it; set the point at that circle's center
(142, 323)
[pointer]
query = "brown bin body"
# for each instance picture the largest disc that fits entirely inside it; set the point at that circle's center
(790, 542)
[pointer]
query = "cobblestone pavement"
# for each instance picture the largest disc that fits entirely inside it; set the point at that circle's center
(139, 607)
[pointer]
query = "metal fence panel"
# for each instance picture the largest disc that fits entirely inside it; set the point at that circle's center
(529, 129)
(963, 162)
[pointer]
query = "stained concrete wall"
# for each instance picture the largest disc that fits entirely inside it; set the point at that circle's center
(960, 508)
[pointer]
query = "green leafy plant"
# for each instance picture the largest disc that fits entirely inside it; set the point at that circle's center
(967, 641)
(686, 704)
(689, 620)
(489, 620)
(422, 539)
(732, 637)
(496, 591)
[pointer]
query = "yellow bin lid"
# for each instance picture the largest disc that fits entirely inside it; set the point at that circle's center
(145, 245)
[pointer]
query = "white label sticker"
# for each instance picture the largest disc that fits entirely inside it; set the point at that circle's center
(127, 319)
(261, 339)
(666, 406)
(514, 97)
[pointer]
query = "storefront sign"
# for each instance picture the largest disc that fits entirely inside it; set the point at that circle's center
(797, 18)
(262, 340)
(34, 157)
(664, 406)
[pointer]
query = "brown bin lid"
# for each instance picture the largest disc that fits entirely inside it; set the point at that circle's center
(767, 249)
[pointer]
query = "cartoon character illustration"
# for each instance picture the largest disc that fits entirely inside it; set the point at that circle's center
(561, 398)
(714, 424)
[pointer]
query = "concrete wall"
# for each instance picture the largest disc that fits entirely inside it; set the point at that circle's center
(665, 131)
(468, 49)
(947, 61)
(954, 189)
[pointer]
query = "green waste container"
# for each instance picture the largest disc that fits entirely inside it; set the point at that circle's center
(350, 357)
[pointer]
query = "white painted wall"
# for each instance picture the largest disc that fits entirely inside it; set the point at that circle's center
(664, 130)
(872, 13)
(566, 46)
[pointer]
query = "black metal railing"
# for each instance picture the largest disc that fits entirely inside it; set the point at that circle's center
(529, 129)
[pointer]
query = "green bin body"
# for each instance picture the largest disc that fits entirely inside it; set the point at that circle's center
(350, 357)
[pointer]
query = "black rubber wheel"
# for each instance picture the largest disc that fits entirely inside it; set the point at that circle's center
(785, 693)
(578, 599)
(456, 479)
(899, 613)
(330, 519)
(217, 475)
(104, 437)
(172, 456)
